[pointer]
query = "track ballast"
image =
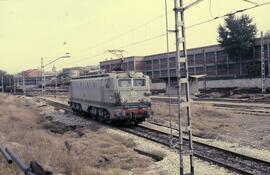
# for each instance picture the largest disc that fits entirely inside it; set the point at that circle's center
(233, 161)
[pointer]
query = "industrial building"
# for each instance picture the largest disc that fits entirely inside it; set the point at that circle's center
(209, 60)
(130, 63)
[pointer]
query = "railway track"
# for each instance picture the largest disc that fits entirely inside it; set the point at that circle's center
(227, 159)
(236, 108)
(230, 160)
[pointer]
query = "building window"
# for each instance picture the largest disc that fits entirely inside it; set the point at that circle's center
(156, 64)
(131, 66)
(234, 69)
(163, 73)
(222, 69)
(163, 63)
(190, 60)
(221, 57)
(156, 74)
(173, 73)
(199, 60)
(199, 70)
(172, 62)
(149, 74)
(211, 70)
(148, 65)
(210, 57)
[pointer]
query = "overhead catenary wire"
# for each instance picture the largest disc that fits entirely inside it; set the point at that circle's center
(251, 2)
(162, 35)
(124, 33)
(227, 14)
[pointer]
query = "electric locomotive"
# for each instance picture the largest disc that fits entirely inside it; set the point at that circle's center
(116, 96)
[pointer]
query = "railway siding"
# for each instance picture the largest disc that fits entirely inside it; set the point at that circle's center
(231, 160)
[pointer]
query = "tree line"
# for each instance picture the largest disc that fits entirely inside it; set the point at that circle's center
(237, 37)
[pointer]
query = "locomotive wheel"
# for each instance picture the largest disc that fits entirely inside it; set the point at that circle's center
(73, 107)
(136, 123)
(93, 113)
(80, 109)
(107, 117)
(89, 111)
(101, 118)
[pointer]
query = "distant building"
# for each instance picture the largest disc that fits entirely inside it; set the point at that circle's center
(134, 63)
(209, 60)
(31, 73)
(78, 71)
(68, 71)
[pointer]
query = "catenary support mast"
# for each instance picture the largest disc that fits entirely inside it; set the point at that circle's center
(42, 77)
(168, 73)
(262, 64)
(183, 82)
(2, 83)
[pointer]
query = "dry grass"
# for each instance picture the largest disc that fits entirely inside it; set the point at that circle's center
(205, 118)
(94, 153)
(210, 122)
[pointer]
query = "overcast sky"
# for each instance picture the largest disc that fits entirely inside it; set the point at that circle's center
(31, 29)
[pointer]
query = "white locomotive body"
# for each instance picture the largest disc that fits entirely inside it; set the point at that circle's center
(112, 96)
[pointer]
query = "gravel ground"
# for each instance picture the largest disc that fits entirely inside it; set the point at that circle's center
(170, 163)
(168, 166)
(234, 147)
(223, 125)
(63, 143)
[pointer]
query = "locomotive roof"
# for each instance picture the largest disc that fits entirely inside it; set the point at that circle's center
(112, 75)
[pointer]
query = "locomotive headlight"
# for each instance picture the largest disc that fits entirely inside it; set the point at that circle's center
(111, 98)
(123, 113)
(122, 100)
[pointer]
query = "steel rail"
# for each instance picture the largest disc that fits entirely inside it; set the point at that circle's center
(230, 160)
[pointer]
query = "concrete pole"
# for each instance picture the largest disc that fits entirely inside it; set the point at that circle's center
(168, 89)
(18, 81)
(204, 66)
(14, 84)
(181, 161)
(23, 83)
(55, 85)
(2, 83)
(42, 77)
(262, 64)
(9, 84)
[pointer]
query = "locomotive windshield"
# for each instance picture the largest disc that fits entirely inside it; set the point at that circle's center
(138, 82)
(129, 83)
(124, 83)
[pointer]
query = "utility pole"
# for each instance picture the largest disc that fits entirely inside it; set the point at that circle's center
(55, 84)
(14, 83)
(262, 64)
(23, 83)
(42, 77)
(9, 83)
(168, 73)
(2, 83)
(205, 70)
(180, 38)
